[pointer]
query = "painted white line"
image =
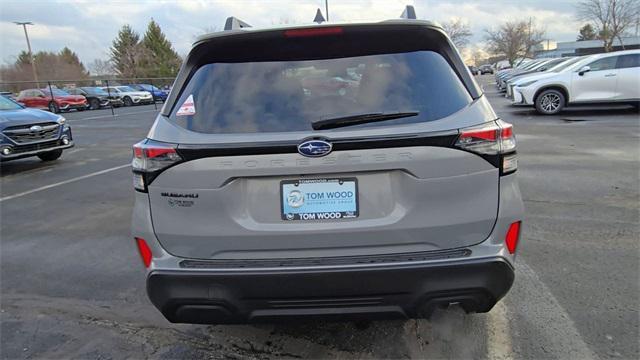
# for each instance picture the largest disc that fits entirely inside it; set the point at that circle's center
(531, 304)
(63, 182)
(498, 333)
(116, 115)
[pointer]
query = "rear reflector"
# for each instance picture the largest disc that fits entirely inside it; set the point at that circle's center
(145, 251)
(509, 163)
(321, 31)
(513, 235)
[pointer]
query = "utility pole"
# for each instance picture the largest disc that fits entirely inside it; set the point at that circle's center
(326, 8)
(33, 61)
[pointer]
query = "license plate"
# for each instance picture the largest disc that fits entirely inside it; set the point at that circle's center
(319, 199)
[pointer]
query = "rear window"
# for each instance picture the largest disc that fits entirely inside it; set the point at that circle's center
(279, 96)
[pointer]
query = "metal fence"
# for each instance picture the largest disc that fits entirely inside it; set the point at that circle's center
(48, 94)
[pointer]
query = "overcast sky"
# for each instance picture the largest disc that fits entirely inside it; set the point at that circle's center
(89, 26)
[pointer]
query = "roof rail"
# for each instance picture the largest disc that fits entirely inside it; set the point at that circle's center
(408, 13)
(233, 23)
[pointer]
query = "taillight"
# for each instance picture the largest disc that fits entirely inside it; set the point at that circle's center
(495, 140)
(149, 159)
(513, 235)
(319, 31)
(145, 251)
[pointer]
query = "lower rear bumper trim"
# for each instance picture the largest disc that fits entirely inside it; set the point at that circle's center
(219, 296)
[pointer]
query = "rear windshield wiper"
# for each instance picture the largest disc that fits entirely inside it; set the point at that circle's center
(359, 119)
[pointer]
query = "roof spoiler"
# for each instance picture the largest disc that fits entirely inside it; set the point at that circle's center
(408, 13)
(233, 23)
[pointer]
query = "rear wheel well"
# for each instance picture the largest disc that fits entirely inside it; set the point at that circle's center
(561, 89)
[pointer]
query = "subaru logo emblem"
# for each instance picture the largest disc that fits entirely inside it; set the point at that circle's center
(314, 148)
(35, 128)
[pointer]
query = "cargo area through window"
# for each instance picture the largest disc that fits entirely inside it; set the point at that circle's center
(280, 96)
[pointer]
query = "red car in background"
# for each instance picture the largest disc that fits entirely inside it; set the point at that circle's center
(60, 101)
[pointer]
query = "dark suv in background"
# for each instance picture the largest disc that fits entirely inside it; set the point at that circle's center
(485, 69)
(96, 97)
(259, 199)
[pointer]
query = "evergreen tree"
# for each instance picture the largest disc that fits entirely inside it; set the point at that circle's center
(126, 53)
(587, 33)
(161, 59)
(69, 57)
(23, 58)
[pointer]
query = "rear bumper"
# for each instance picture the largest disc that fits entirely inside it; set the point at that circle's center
(227, 296)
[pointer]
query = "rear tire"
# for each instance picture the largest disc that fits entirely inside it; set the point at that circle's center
(50, 155)
(550, 102)
(94, 104)
(127, 101)
(53, 107)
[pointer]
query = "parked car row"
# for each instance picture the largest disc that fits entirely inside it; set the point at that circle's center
(550, 85)
(481, 70)
(88, 97)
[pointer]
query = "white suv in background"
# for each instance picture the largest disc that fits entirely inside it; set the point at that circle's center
(602, 78)
(129, 95)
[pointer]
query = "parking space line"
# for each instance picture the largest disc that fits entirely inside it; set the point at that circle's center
(539, 309)
(498, 333)
(63, 182)
(116, 115)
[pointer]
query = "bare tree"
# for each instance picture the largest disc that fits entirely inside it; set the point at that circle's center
(204, 31)
(612, 18)
(515, 40)
(458, 31)
(478, 57)
(101, 67)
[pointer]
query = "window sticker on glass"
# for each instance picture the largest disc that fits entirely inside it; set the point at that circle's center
(188, 107)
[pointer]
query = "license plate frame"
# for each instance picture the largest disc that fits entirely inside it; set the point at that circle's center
(334, 208)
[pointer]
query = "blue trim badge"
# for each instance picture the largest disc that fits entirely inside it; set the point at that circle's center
(315, 148)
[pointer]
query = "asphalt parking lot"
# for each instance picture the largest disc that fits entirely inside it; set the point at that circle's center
(72, 283)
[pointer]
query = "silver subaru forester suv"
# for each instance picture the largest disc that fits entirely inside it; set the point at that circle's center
(347, 171)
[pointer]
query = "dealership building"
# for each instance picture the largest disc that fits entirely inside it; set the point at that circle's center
(587, 47)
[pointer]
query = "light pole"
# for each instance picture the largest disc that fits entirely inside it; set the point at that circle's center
(326, 6)
(33, 61)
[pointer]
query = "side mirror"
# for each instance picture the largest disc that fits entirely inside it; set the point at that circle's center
(583, 70)
(544, 68)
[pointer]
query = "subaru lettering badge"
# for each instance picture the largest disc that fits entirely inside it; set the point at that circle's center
(35, 128)
(314, 148)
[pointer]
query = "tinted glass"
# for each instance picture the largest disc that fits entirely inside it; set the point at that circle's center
(565, 64)
(289, 95)
(628, 61)
(604, 64)
(6, 104)
(126, 89)
(539, 65)
(56, 92)
(94, 91)
(553, 63)
(529, 65)
(146, 87)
